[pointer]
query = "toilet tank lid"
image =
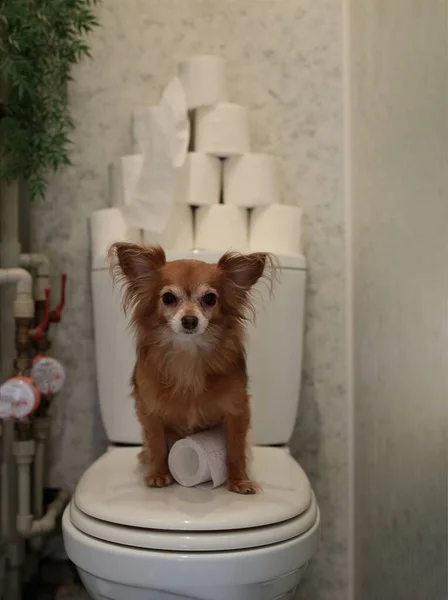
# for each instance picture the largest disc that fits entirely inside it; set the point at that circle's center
(287, 261)
(113, 490)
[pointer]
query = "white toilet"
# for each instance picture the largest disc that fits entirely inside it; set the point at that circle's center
(130, 542)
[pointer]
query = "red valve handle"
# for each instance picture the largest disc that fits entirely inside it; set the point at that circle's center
(39, 332)
(56, 314)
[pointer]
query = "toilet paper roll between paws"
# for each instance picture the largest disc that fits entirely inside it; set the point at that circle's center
(108, 226)
(178, 233)
(199, 458)
(222, 130)
(221, 227)
(276, 228)
(123, 178)
(200, 180)
(204, 80)
(251, 180)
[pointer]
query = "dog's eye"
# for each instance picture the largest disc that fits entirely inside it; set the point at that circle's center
(169, 298)
(209, 299)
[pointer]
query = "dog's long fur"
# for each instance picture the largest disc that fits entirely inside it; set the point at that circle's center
(187, 383)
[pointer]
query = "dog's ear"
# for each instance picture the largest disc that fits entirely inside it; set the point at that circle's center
(136, 267)
(134, 261)
(244, 270)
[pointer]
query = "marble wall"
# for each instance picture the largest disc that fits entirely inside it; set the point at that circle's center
(284, 61)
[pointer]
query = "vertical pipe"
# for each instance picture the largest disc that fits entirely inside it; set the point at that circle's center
(9, 258)
(23, 472)
(38, 480)
(7, 521)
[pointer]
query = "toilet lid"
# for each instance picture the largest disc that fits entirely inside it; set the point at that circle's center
(112, 490)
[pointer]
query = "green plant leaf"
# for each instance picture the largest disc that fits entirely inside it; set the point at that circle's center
(40, 42)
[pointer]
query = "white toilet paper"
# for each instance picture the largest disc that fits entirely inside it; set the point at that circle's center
(200, 180)
(123, 178)
(204, 80)
(221, 227)
(222, 130)
(251, 180)
(178, 233)
(276, 228)
(165, 135)
(199, 458)
(108, 226)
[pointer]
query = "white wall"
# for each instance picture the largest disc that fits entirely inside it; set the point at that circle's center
(398, 153)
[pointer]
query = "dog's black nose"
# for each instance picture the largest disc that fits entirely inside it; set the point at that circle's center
(190, 322)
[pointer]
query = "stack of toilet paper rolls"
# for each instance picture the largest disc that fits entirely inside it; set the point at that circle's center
(246, 213)
(227, 197)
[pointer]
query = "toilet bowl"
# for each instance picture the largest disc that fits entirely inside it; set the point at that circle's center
(130, 542)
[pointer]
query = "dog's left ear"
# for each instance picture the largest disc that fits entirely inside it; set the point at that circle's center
(135, 261)
(244, 270)
(136, 267)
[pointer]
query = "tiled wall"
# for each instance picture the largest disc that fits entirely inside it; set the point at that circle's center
(284, 61)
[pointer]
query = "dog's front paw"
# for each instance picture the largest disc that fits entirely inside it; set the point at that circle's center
(159, 480)
(243, 486)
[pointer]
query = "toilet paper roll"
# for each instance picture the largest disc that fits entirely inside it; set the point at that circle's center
(276, 228)
(123, 178)
(108, 226)
(178, 233)
(221, 227)
(204, 80)
(222, 130)
(200, 180)
(251, 180)
(199, 458)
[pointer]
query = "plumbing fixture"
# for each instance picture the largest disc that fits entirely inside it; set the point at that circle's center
(19, 398)
(22, 438)
(23, 305)
(27, 526)
(23, 311)
(41, 265)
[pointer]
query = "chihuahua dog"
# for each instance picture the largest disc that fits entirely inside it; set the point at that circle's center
(190, 373)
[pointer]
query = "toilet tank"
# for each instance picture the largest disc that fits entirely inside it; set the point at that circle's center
(274, 353)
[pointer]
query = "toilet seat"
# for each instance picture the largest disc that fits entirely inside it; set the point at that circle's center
(113, 504)
(177, 541)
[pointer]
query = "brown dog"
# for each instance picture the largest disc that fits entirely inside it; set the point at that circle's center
(190, 373)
